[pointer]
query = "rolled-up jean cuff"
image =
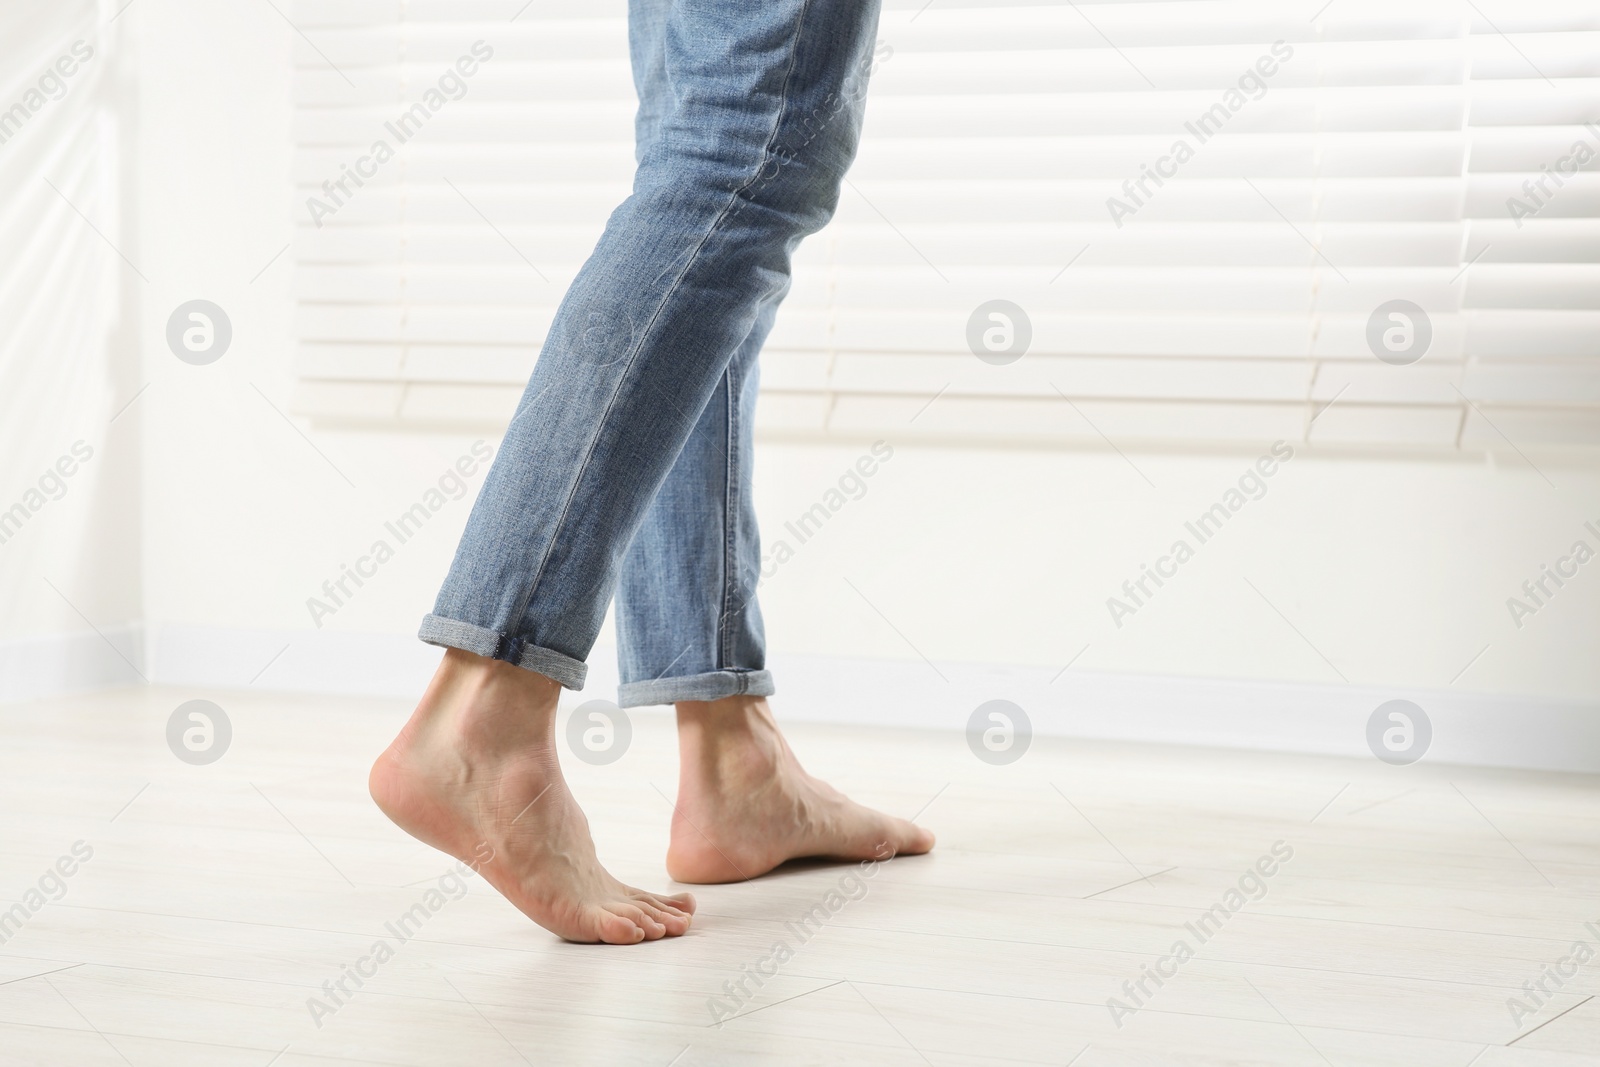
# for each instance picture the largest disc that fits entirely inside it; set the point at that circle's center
(452, 633)
(713, 685)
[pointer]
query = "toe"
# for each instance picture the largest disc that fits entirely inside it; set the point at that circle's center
(914, 839)
(661, 903)
(674, 921)
(908, 839)
(653, 928)
(616, 929)
(883, 837)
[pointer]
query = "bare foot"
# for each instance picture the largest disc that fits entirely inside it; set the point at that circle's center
(475, 774)
(745, 804)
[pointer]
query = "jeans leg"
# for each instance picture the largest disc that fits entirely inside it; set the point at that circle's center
(647, 54)
(764, 119)
(688, 623)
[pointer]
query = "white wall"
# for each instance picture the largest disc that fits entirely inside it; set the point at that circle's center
(1396, 570)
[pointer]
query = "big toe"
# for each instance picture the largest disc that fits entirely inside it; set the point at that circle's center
(615, 929)
(906, 838)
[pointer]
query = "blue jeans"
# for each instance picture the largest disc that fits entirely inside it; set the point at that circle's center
(626, 469)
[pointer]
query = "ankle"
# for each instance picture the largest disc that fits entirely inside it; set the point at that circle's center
(487, 703)
(728, 741)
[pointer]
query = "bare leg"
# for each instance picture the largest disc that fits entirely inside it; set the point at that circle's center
(746, 805)
(476, 770)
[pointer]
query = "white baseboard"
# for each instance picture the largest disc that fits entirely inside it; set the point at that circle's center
(1488, 730)
(304, 661)
(1476, 729)
(52, 664)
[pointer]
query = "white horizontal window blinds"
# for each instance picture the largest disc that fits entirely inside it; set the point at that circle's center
(1531, 307)
(1189, 211)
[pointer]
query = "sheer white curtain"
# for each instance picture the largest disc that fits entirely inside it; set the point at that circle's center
(1197, 216)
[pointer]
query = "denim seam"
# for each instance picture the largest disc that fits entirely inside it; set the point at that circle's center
(733, 197)
(730, 505)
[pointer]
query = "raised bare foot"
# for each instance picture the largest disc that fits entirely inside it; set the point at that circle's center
(746, 805)
(475, 774)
